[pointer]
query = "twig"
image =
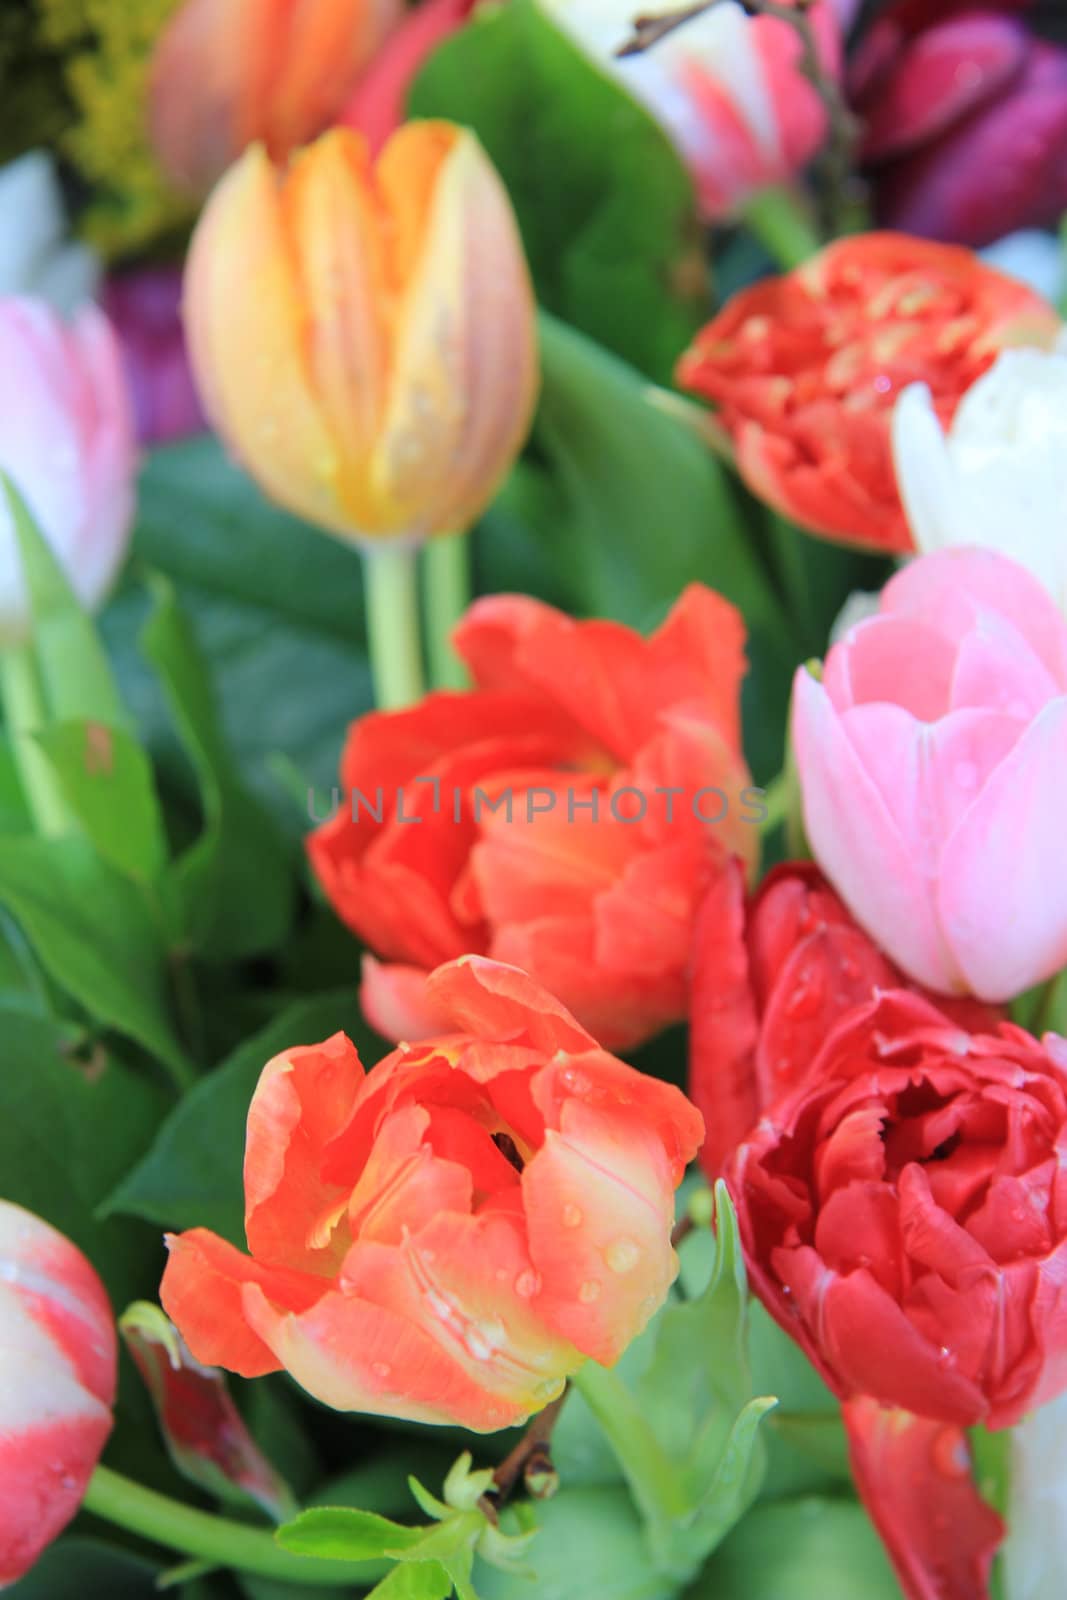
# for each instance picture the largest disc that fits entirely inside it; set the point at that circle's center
(843, 129)
(529, 1460)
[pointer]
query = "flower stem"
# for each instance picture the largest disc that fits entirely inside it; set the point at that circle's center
(648, 1470)
(25, 715)
(781, 224)
(778, 798)
(205, 1537)
(447, 588)
(389, 575)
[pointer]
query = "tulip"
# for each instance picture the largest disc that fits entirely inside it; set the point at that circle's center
(902, 1218)
(588, 789)
(726, 88)
(67, 443)
(1035, 1551)
(363, 337)
(36, 256)
(58, 1365)
(806, 368)
(998, 477)
(228, 73)
(144, 307)
(446, 1237)
(770, 980)
(965, 115)
(933, 760)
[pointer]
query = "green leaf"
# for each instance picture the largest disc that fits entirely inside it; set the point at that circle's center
(807, 1549)
(590, 1546)
(78, 681)
(346, 1535)
(74, 1568)
(235, 885)
(14, 815)
(192, 1175)
(92, 931)
(69, 1129)
(106, 781)
(619, 505)
(277, 610)
(605, 205)
(414, 1580)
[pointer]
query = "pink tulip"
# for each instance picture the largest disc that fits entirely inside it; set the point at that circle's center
(67, 442)
(378, 103)
(933, 765)
(965, 115)
(726, 87)
(58, 1356)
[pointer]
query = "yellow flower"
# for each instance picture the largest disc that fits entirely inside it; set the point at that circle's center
(363, 335)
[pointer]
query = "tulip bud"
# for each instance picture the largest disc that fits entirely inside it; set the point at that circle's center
(229, 72)
(998, 476)
(67, 443)
(36, 256)
(363, 336)
(58, 1358)
(726, 87)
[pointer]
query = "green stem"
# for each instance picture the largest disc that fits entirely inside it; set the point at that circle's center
(389, 576)
(24, 715)
(778, 796)
(205, 1537)
(780, 222)
(446, 579)
(647, 1468)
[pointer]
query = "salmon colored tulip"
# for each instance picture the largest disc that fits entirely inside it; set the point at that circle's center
(58, 1368)
(363, 335)
(805, 370)
(446, 1237)
(571, 809)
(227, 73)
(933, 764)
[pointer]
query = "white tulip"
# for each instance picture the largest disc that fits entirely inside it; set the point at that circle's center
(36, 256)
(1035, 1551)
(998, 478)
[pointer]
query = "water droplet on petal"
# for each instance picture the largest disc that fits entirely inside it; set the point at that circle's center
(572, 1216)
(622, 1255)
(527, 1284)
(589, 1291)
(381, 1369)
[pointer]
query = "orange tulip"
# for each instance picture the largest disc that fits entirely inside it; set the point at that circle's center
(449, 1235)
(228, 72)
(363, 335)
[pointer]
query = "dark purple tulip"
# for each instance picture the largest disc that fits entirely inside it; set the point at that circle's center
(145, 308)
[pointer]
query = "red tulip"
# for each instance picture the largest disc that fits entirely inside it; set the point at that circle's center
(966, 120)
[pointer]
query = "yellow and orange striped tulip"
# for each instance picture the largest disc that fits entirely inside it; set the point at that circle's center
(227, 73)
(363, 336)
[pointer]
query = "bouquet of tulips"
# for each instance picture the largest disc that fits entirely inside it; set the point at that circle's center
(533, 745)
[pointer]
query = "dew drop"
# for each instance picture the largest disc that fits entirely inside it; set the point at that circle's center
(622, 1255)
(589, 1291)
(572, 1216)
(527, 1284)
(381, 1369)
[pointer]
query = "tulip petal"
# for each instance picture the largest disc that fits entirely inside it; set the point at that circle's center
(858, 844)
(599, 1201)
(464, 373)
(723, 1024)
(244, 320)
(929, 484)
(1005, 868)
(393, 1000)
(302, 1101)
(201, 1292)
(915, 1478)
(493, 1001)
